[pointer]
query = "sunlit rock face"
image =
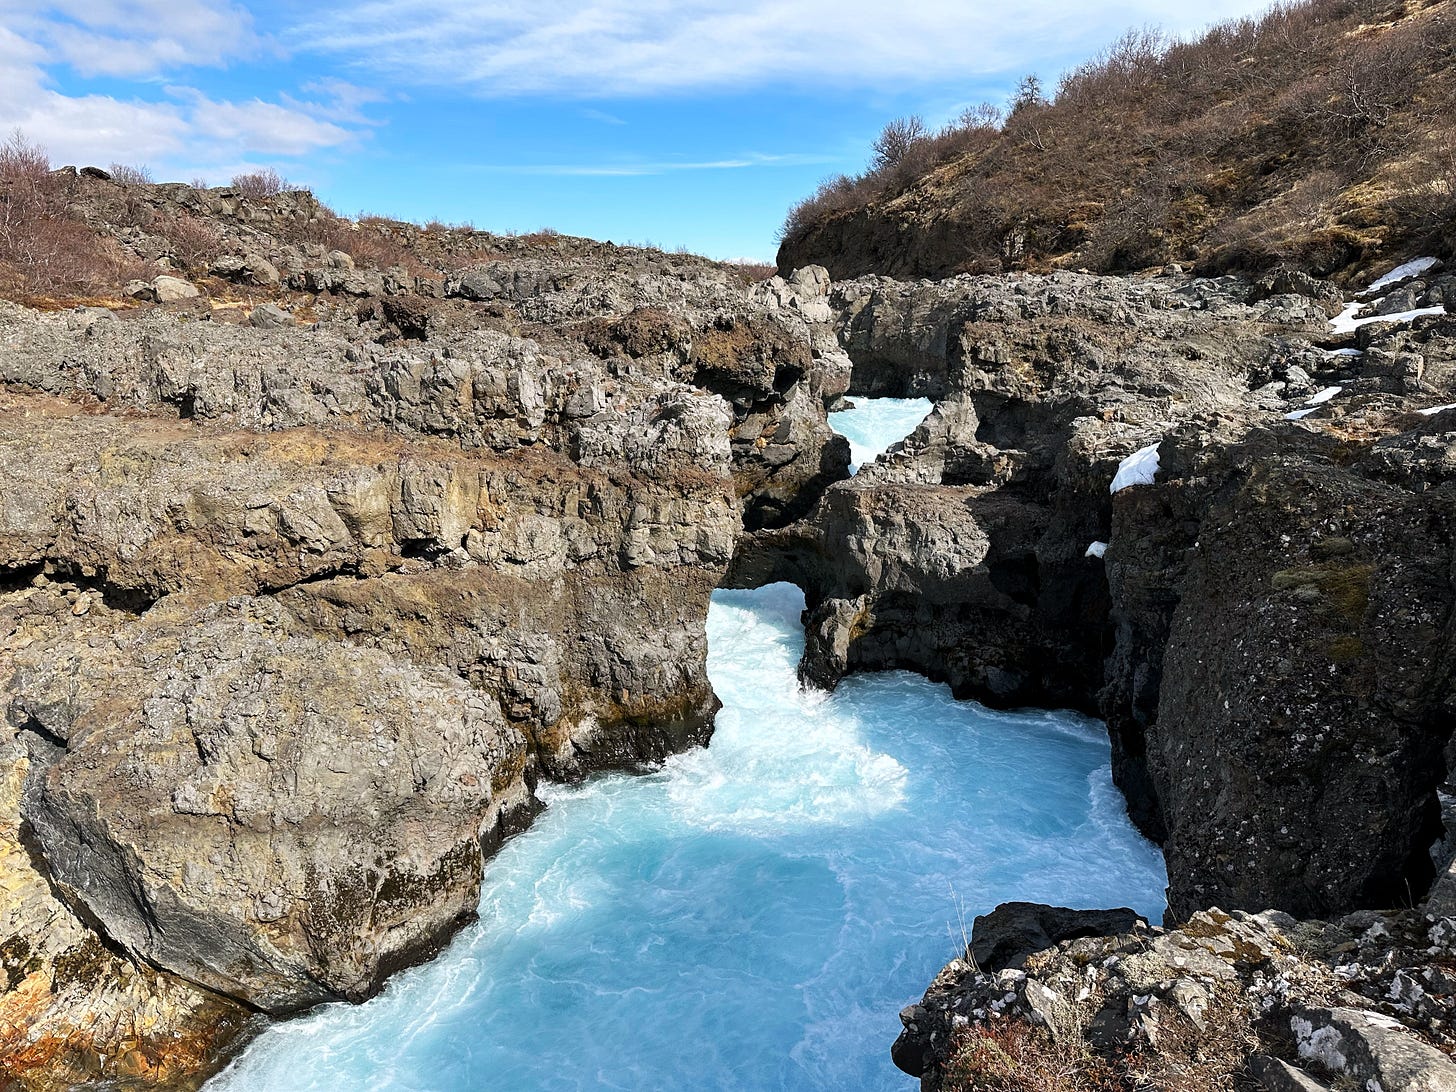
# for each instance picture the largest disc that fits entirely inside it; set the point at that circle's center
(776, 897)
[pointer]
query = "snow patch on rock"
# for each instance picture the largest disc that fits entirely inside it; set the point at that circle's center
(1139, 468)
(1413, 268)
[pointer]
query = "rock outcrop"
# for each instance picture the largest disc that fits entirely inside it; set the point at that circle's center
(296, 611)
(1264, 627)
(1225, 1000)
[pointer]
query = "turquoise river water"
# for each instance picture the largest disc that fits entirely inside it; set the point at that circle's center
(753, 915)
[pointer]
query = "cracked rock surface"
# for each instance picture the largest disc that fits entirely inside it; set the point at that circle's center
(296, 610)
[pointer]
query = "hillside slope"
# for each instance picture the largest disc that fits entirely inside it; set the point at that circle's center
(1317, 137)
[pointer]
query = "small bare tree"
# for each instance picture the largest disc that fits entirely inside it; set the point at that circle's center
(896, 140)
(1029, 95)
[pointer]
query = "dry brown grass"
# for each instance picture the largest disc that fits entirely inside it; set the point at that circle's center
(1013, 1056)
(1283, 139)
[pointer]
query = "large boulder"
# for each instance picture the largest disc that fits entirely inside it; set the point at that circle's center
(281, 819)
(1015, 930)
(173, 289)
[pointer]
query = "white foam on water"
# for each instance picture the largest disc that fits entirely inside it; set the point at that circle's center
(752, 916)
(876, 424)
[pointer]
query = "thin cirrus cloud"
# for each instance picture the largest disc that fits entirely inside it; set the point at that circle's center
(614, 48)
(641, 169)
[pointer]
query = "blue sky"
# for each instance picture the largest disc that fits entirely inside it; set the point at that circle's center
(694, 123)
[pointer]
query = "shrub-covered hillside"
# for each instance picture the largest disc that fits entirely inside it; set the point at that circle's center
(1319, 137)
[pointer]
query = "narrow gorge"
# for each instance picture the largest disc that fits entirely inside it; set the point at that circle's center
(546, 663)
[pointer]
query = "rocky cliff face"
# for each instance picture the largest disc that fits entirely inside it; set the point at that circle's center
(1264, 626)
(304, 586)
(310, 568)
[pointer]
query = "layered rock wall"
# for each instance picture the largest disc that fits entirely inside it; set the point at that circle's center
(1264, 627)
(294, 614)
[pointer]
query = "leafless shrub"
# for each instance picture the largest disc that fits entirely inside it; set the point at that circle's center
(1131, 65)
(264, 183)
(42, 250)
(1311, 197)
(753, 272)
(1430, 199)
(838, 193)
(129, 175)
(983, 117)
(1369, 86)
(25, 175)
(192, 243)
(371, 242)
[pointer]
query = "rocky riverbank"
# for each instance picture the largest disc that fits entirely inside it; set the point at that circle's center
(314, 562)
(1060, 999)
(306, 581)
(1263, 621)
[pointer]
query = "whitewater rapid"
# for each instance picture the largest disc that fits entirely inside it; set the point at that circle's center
(753, 915)
(873, 424)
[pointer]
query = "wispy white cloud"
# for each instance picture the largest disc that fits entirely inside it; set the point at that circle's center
(603, 48)
(134, 38)
(172, 128)
(592, 114)
(255, 124)
(337, 100)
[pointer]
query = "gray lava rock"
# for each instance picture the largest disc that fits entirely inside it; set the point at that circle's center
(173, 289)
(269, 316)
(1014, 930)
(251, 835)
(1371, 1049)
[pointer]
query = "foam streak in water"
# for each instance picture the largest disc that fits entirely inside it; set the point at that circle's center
(753, 915)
